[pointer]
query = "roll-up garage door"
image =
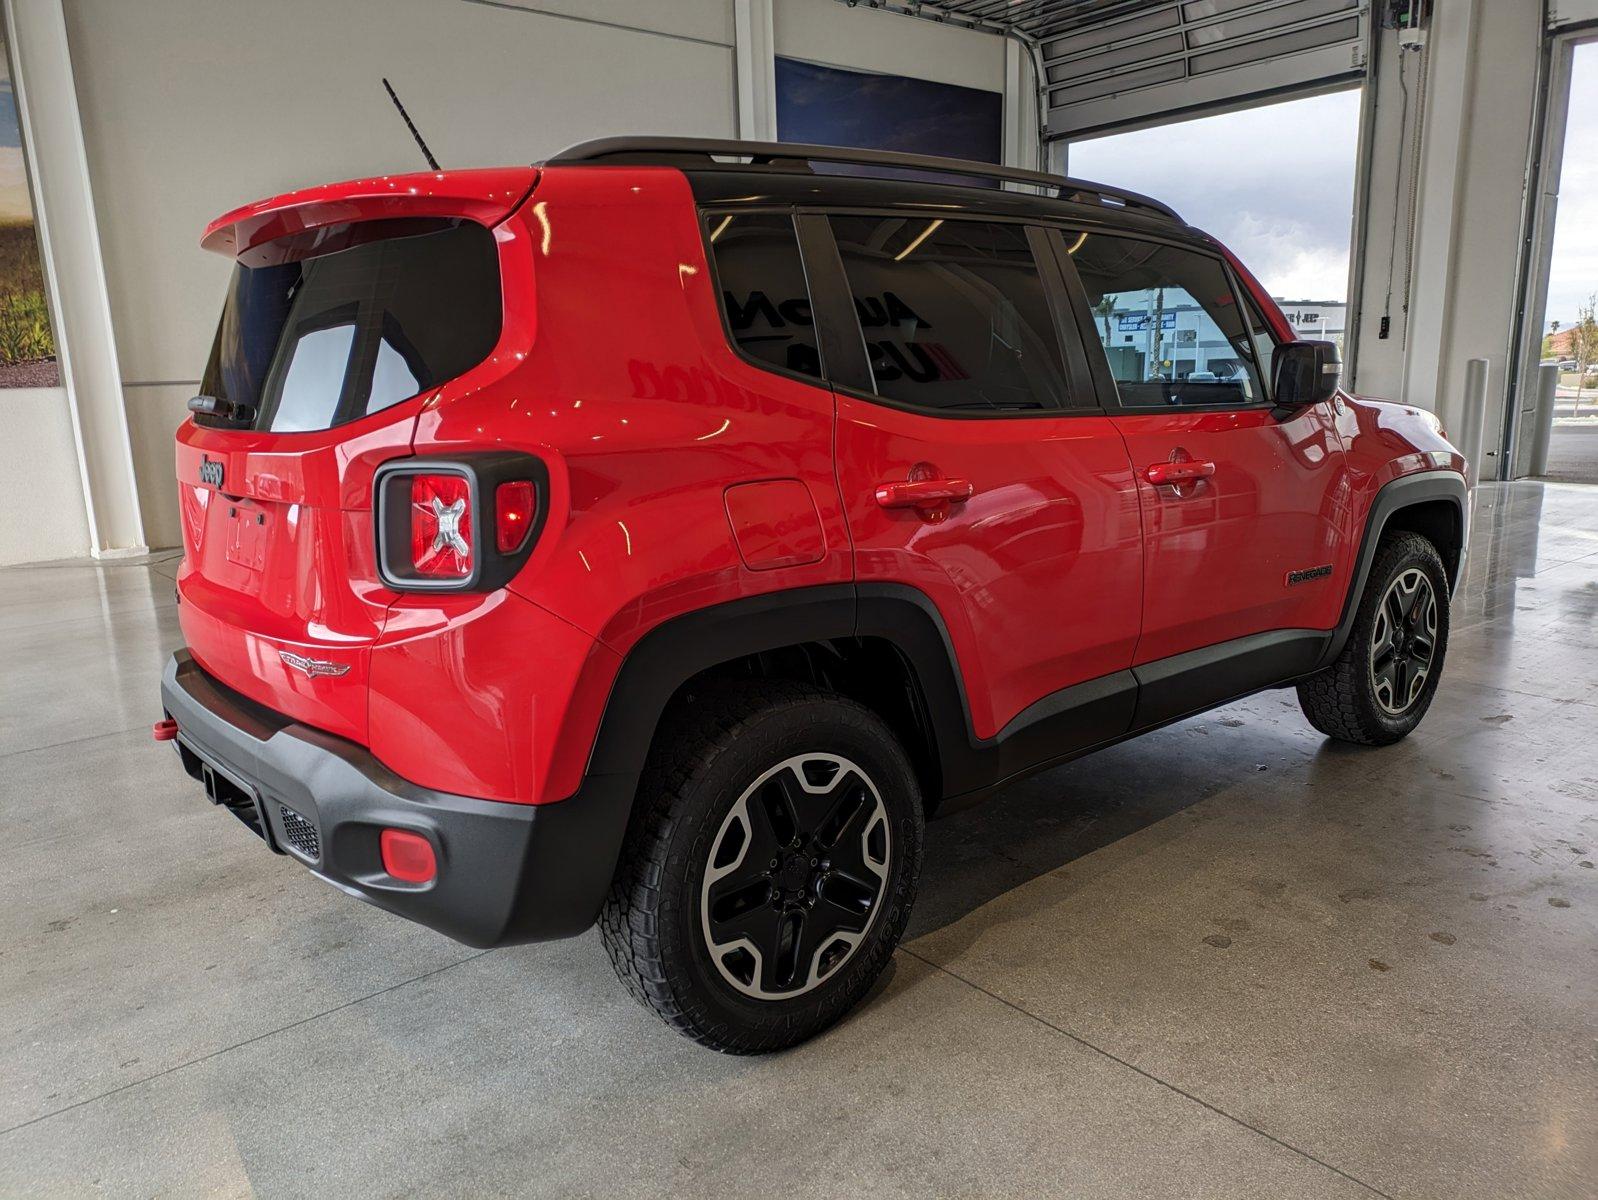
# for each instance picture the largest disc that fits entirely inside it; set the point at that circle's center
(1114, 63)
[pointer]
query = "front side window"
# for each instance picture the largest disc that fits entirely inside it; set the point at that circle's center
(332, 324)
(763, 291)
(954, 313)
(1169, 322)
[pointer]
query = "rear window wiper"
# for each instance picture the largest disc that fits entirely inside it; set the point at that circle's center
(223, 409)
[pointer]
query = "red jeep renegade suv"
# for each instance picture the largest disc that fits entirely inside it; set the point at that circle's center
(659, 535)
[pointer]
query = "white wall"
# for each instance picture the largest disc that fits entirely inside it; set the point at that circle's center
(193, 106)
(868, 39)
(38, 461)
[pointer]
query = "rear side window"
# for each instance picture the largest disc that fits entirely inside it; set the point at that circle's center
(1169, 321)
(333, 324)
(763, 290)
(954, 313)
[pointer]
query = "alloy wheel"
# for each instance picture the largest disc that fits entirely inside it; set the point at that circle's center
(795, 876)
(1403, 641)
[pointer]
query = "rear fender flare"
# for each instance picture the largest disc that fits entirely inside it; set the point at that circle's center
(672, 653)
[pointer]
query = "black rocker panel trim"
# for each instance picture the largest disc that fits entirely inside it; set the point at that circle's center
(1176, 687)
(1056, 728)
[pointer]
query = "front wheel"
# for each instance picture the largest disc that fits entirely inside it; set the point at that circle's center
(770, 868)
(1382, 683)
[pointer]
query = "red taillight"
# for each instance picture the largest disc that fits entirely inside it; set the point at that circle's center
(441, 526)
(407, 856)
(514, 508)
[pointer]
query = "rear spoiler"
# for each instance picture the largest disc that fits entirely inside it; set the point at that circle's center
(486, 196)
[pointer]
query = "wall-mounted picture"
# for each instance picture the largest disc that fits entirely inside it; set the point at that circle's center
(27, 343)
(830, 106)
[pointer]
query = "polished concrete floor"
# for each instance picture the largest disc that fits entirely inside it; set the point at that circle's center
(1228, 959)
(1573, 452)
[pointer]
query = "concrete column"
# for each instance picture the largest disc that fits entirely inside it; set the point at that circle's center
(47, 104)
(1456, 155)
(1021, 143)
(757, 70)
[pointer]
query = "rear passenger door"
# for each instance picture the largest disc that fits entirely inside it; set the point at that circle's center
(973, 460)
(1240, 501)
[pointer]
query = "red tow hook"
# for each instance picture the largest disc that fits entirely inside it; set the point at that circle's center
(164, 731)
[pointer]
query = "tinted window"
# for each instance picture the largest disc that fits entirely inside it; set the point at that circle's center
(337, 323)
(763, 289)
(953, 312)
(1169, 322)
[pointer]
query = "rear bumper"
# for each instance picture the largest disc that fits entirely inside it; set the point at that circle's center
(506, 872)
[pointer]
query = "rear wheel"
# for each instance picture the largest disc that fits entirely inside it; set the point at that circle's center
(1382, 683)
(770, 867)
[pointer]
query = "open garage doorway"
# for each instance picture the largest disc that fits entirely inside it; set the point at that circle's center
(1563, 442)
(1275, 182)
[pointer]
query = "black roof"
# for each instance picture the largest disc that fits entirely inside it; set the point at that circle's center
(723, 171)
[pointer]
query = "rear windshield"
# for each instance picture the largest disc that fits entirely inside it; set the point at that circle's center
(336, 323)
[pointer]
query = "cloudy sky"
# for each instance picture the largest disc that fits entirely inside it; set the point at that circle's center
(1575, 266)
(1276, 184)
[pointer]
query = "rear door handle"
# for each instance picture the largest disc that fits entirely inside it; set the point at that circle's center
(1178, 472)
(918, 493)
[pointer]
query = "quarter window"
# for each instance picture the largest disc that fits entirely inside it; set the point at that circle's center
(954, 313)
(1169, 322)
(763, 290)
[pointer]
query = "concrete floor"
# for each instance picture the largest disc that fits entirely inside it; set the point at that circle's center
(1573, 452)
(1228, 959)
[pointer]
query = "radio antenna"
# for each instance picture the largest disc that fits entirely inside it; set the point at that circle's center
(411, 125)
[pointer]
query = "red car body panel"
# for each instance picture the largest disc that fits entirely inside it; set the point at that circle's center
(1217, 553)
(682, 476)
(1038, 576)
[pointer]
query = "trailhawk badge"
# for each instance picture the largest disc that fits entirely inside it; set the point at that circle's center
(313, 667)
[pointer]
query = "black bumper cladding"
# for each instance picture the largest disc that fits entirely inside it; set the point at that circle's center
(506, 872)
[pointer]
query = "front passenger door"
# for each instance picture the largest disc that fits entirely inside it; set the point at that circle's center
(1240, 503)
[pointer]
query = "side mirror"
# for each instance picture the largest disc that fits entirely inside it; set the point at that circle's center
(1305, 373)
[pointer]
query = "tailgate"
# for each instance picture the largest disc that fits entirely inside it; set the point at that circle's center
(351, 307)
(279, 592)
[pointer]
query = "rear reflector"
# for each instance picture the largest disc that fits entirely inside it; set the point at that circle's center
(513, 514)
(407, 856)
(441, 526)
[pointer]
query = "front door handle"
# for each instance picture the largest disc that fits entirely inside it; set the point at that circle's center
(1178, 472)
(922, 493)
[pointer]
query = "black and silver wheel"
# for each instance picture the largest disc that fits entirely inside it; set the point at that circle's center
(770, 867)
(1382, 683)
(795, 876)
(1403, 641)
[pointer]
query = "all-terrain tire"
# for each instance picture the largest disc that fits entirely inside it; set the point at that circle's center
(708, 758)
(1354, 698)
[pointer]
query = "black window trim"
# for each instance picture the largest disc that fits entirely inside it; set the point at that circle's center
(1246, 299)
(829, 289)
(705, 215)
(1109, 390)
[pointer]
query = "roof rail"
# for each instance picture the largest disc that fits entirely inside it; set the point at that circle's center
(796, 156)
